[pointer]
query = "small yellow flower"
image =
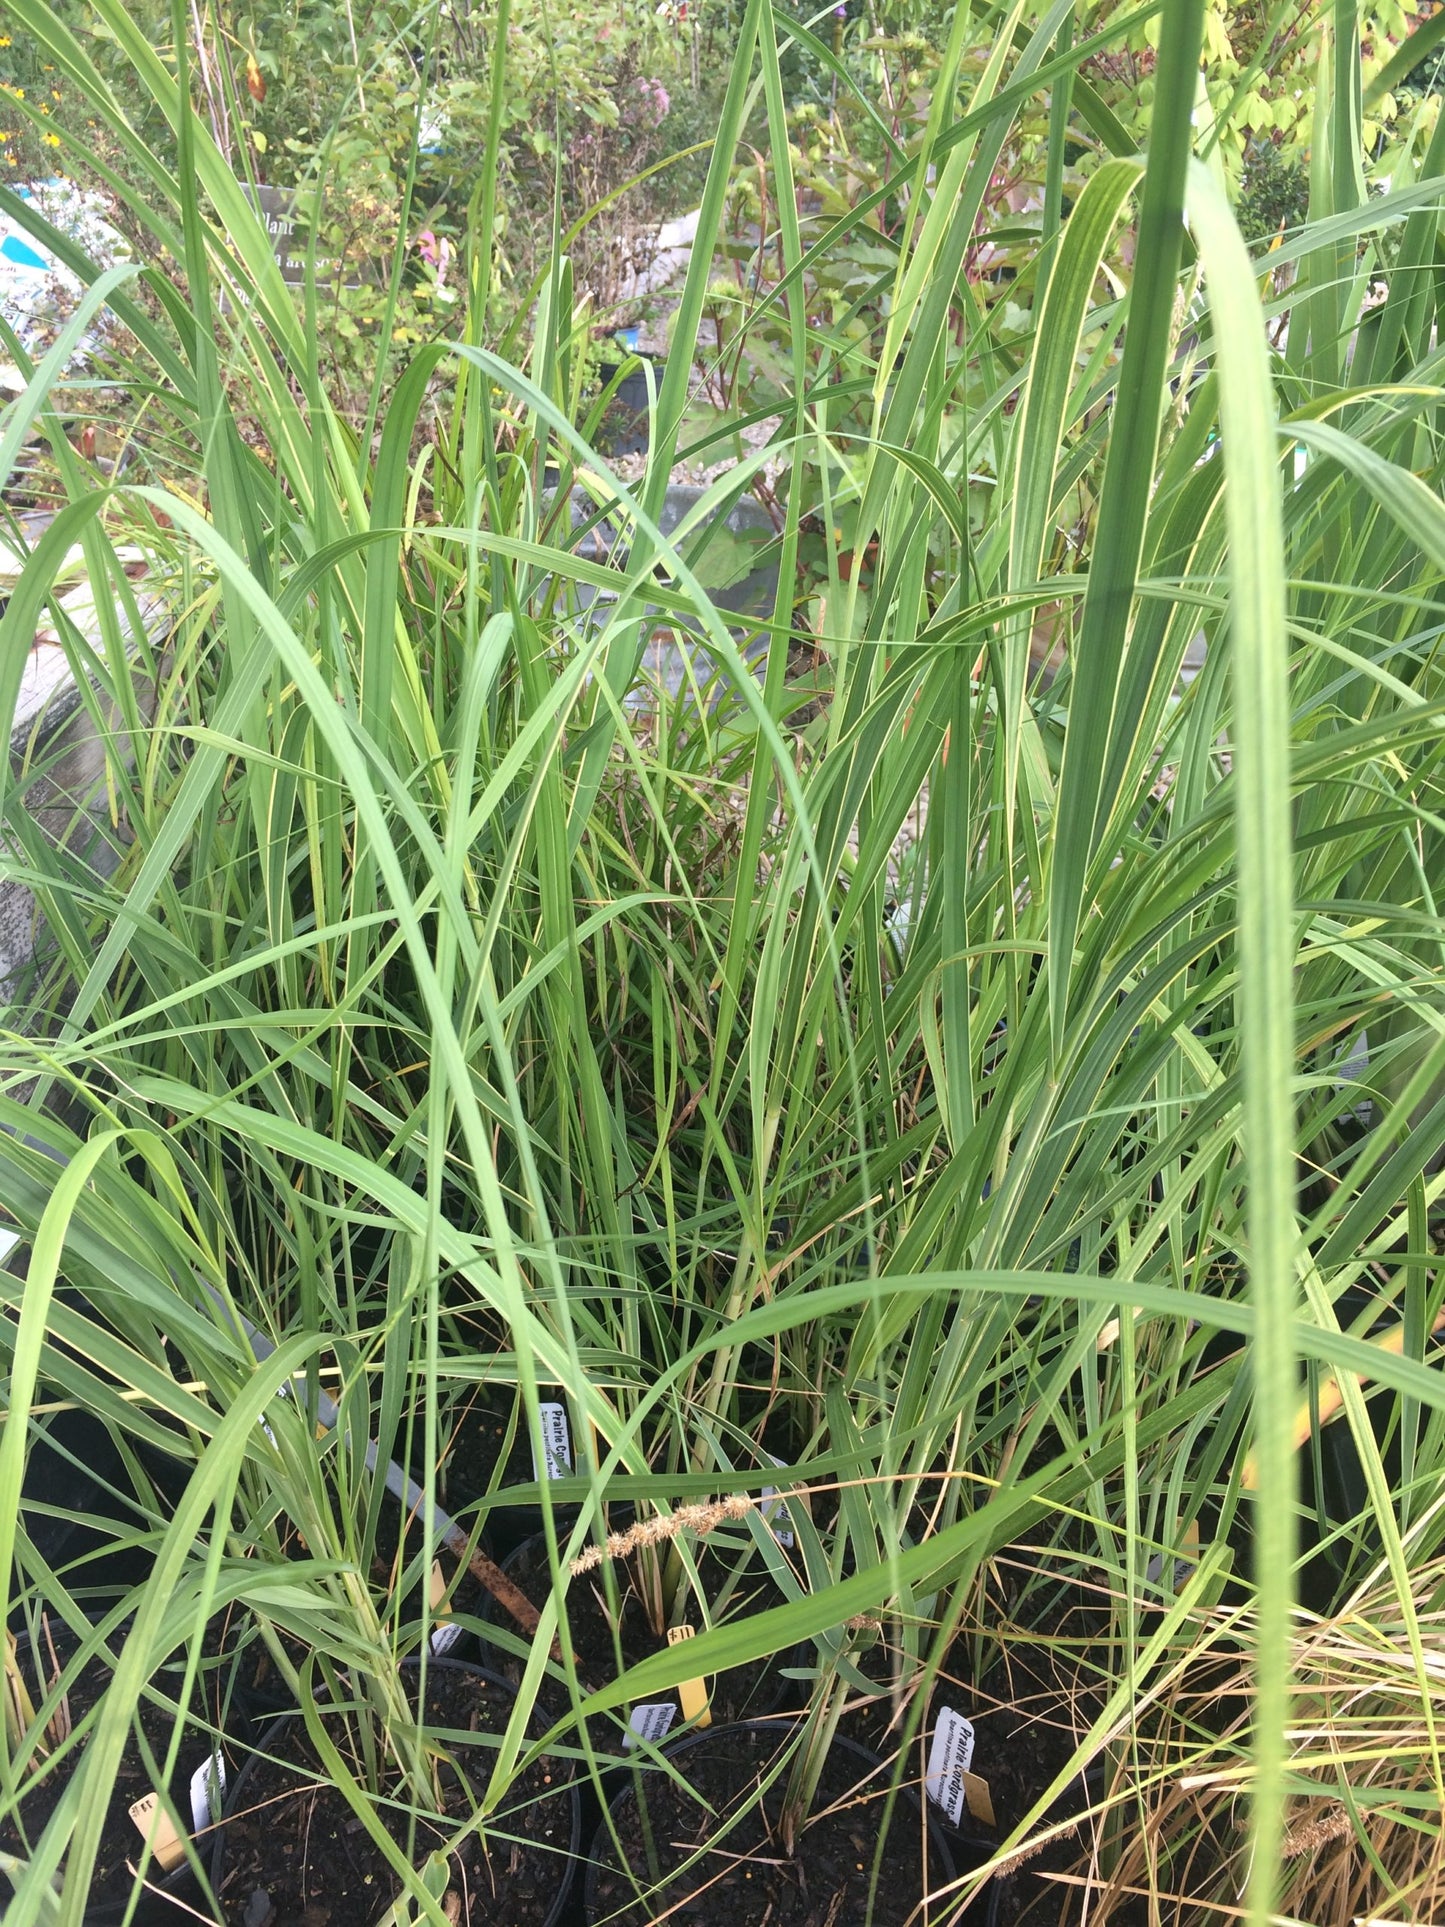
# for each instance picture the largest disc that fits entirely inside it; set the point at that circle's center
(44, 109)
(4, 134)
(4, 40)
(51, 140)
(55, 93)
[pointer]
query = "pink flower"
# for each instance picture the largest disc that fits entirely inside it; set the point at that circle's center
(656, 102)
(437, 254)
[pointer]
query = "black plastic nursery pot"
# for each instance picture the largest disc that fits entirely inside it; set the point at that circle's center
(626, 428)
(1036, 1693)
(172, 1893)
(291, 1846)
(81, 1511)
(708, 1809)
(753, 1691)
(971, 1840)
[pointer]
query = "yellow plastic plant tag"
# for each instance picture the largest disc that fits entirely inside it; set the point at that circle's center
(155, 1825)
(438, 1593)
(445, 1631)
(692, 1692)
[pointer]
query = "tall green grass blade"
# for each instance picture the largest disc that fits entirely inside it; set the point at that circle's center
(1124, 500)
(1267, 954)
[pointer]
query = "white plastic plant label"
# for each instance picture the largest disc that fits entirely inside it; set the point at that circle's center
(649, 1722)
(208, 1785)
(774, 1509)
(444, 1637)
(949, 1759)
(282, 1391)
(556, 1444)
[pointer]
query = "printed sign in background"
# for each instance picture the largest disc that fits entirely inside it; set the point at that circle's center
(280, 212)
(38, 295)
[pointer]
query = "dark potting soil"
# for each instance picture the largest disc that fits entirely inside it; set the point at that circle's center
(1034, 1705)
(877, 1720)
(114, 1876)
(746, 1879)
(480, 1427)
(741, 1693)
(295, 1840)
(262, 1692)
(1027, 1745)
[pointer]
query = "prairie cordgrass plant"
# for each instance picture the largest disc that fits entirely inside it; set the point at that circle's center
(974, 1092)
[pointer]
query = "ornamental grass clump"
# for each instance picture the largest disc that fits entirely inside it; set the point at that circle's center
(1010, 1099)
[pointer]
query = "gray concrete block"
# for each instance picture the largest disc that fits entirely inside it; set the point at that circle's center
(57, 750)
(733, 556)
